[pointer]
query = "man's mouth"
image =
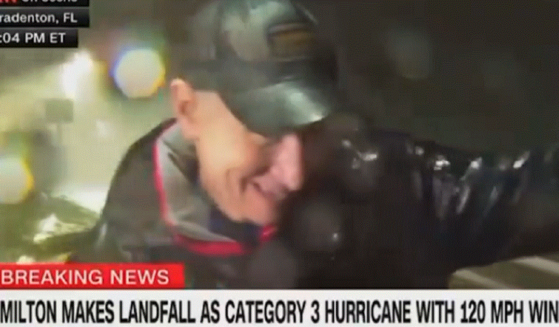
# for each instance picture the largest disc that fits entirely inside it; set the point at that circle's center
(276, 194)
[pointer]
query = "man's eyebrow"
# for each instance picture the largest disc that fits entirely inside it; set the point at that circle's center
(270, 143)
(273, 139)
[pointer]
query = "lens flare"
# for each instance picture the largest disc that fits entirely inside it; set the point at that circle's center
(16, 180)
(139, 73)
(73, 72)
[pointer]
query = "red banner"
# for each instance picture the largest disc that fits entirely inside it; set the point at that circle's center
(92, 276)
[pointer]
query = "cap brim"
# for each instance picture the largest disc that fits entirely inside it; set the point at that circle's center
(285, 106)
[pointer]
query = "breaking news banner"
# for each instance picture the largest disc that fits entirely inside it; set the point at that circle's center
(154, 295)
(45, 3)
(44, 17)
(39, 38)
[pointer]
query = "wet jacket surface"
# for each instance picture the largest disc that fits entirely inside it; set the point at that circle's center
(379, 210)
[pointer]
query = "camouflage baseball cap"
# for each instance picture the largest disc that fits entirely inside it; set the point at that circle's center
(264, 59)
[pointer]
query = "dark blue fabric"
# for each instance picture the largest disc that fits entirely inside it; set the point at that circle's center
(244, 233)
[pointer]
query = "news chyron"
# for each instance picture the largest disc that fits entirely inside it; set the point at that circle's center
(42, 23)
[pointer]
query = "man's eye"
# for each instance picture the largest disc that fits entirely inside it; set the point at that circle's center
(263, 141)
(271, 145)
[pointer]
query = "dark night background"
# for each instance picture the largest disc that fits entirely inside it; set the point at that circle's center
(489, 69)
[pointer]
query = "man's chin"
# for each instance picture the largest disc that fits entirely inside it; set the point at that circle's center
(263, 211)
(265, 218)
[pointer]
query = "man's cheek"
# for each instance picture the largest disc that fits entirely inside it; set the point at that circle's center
(259, 209)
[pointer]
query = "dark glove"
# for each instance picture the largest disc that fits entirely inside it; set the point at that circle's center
(341, 170)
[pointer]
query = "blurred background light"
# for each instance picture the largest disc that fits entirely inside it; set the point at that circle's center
(16, 179)
(73, 73)
(138, 72)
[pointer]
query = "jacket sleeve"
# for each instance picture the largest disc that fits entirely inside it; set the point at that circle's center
(131, 210)
(490, 208)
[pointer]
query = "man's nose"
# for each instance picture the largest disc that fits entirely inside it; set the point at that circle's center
(287, 162)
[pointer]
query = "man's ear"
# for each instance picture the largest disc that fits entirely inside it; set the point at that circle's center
(183, 99)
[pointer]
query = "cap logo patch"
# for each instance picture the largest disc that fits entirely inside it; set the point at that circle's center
(291, 42)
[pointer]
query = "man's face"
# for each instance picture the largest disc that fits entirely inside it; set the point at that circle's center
(246, 174)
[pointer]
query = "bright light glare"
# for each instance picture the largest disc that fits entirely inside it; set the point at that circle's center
(73, 72)
(16, 180)
(139, 73)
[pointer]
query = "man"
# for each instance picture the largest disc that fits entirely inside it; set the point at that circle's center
(217, 174)
(259, 151)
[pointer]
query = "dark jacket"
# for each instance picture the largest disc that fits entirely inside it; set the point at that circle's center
(385, 211)
(414, 212)
(156, 212)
